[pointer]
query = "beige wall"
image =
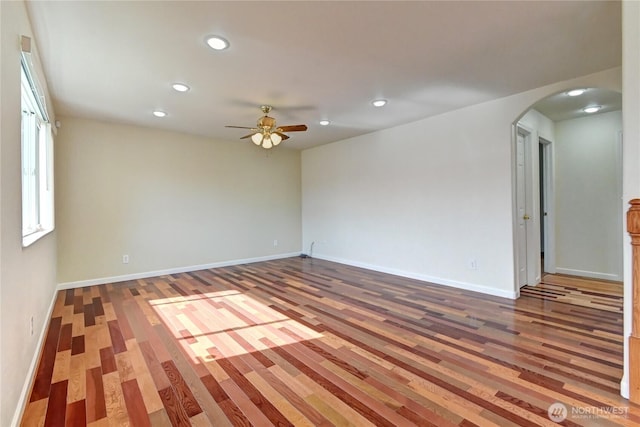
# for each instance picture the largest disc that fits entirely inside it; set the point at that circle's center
(27, 276)
(168, 200)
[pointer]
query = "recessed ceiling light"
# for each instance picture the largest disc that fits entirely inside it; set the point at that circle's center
(217, 42)
(324, 122)
(592, 109)
(159, 113)
(180, 87)
(576, 92)
(379, 102)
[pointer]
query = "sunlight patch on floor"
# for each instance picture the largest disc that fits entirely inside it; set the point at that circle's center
(226, 324)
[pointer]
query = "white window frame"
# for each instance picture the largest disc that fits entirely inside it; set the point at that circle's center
(36, 160)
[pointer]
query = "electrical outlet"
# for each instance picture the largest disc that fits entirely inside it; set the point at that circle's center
(473, 264)
(31, 326)
(275, 242)
(125, 259)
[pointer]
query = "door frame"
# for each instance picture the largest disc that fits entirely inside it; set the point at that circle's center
(548, 222)
(522, 204)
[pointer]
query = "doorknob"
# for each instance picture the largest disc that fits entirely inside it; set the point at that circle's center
(525, 217)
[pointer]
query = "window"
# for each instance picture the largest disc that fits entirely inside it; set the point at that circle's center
(37, 160)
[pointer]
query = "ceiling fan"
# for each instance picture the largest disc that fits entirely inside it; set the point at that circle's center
(266, 134)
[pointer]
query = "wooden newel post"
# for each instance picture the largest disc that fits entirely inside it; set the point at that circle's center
(633, 228)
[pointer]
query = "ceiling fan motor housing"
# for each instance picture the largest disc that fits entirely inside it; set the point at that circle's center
(266, 122)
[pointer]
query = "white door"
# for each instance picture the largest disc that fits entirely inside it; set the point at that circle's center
(521, 206)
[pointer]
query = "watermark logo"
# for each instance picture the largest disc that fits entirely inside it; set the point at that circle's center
(557, 412)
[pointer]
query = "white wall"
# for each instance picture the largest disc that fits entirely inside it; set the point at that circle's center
(426, 198)
(27, 276)
(168, 200)
(588, 192)
(631, 151)
(541, 124)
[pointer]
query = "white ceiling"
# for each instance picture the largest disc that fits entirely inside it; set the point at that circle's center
(311, 60)
(562, 107)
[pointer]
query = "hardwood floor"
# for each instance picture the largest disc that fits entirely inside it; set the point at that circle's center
(601, 294)
(305, 342)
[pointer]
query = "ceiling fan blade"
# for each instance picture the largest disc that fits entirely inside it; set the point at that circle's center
(282, 135)
(247, 136)
(292, 128)
(240, 127)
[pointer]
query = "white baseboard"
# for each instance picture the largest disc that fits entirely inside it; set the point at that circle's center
(624, 388)
(425, 278)
(590, 274)
(147, 274)
(26, 388)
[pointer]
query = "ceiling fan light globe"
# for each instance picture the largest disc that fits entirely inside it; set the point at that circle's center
(276, 139)
(257, 138)
(266, 143)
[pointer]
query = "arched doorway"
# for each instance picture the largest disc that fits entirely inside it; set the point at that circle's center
(568, 187)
